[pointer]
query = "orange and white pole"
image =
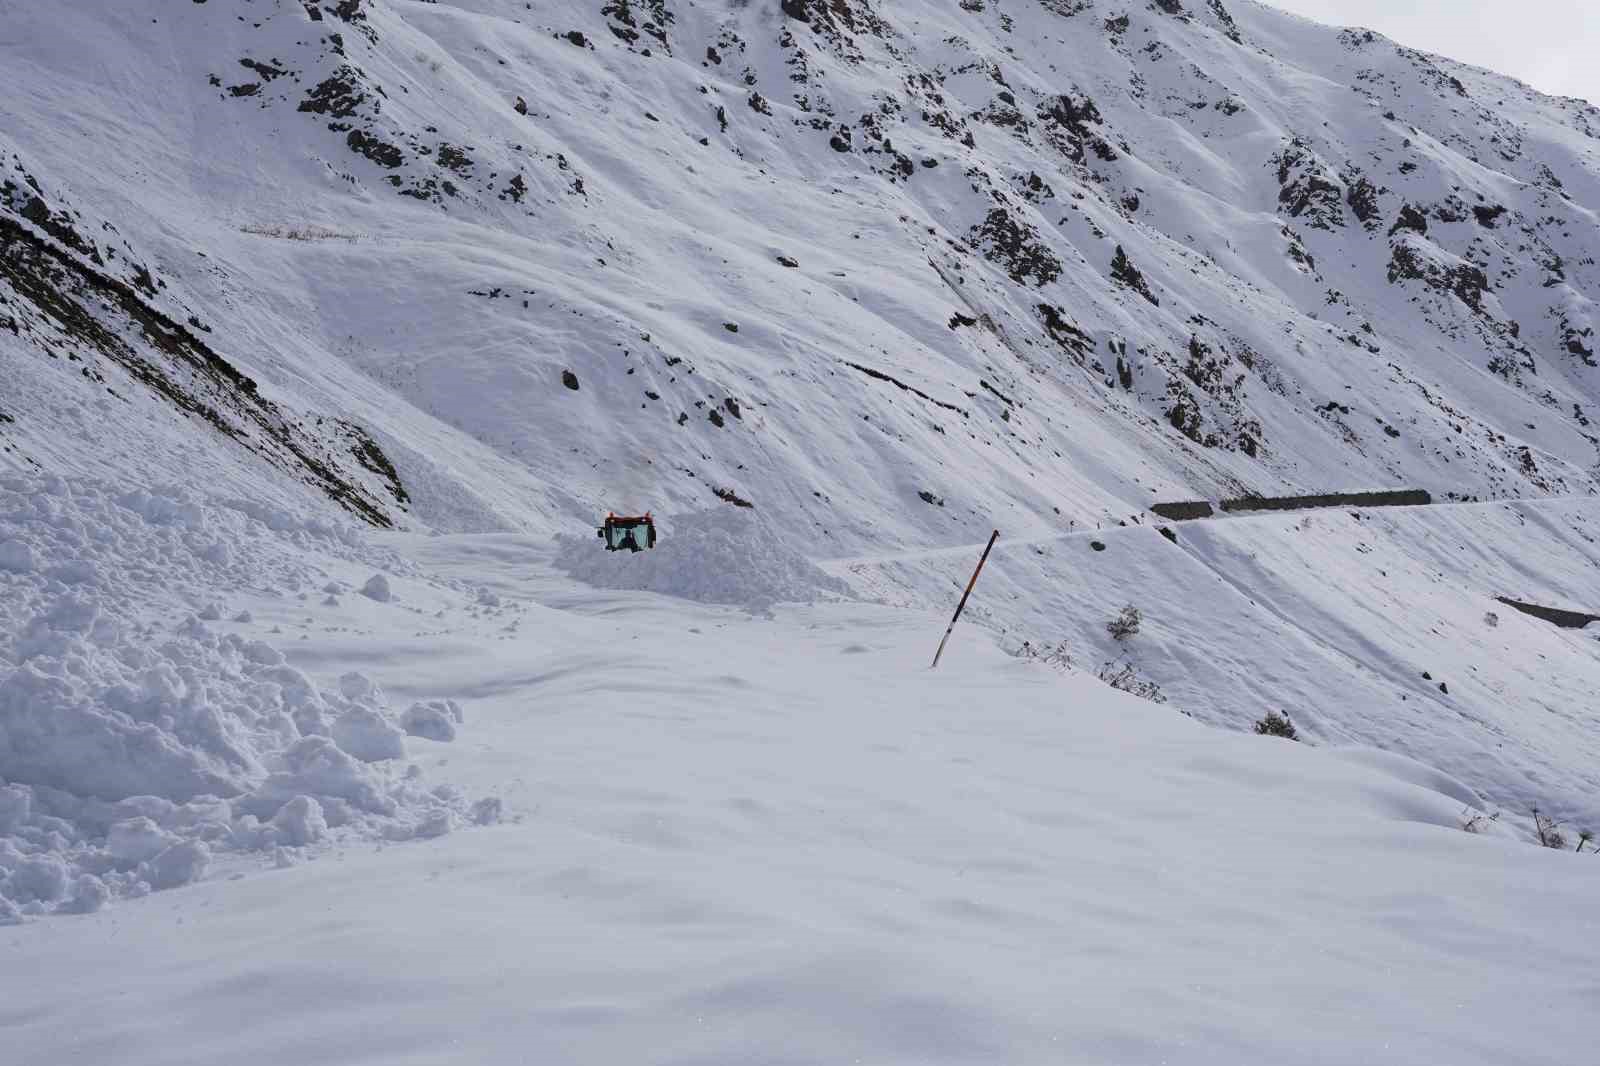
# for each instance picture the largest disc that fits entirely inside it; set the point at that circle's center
(962, 605)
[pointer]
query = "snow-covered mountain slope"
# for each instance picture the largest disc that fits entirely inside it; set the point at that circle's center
(835, 288)
(1043, 261)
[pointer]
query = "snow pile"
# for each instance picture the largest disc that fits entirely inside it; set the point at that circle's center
(134, 750)
(727, 556)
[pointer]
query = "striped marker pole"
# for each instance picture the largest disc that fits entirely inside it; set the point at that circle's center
(963, 604)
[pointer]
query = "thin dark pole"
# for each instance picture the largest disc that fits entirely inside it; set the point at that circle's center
(963, 604)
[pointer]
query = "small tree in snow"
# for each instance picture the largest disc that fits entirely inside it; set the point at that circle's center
(1125, 624)
(1277, 725)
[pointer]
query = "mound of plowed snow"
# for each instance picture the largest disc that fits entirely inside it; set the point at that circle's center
(133, 748)
(728, 556)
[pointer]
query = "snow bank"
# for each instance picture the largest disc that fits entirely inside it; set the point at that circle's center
(136, 743)
(726, 556)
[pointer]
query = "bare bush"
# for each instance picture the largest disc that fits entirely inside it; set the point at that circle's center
(1476, 821)
(300, 233)
(1127, 679)
(1058, 655)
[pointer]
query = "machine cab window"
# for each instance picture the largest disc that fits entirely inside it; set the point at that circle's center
(628, 532)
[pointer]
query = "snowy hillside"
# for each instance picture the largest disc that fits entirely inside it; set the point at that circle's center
(328, 329)
(892, 277)
(1052, 261)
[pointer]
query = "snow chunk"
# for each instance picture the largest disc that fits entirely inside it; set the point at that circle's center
(262, 653)
(89, 894)
(317, 766)
(136, 840)
(368, 735)
(432, 720)
(360, 688)
(43, 878)
(301, 821)
(16, 801)
(59, 731)
(17, 557)
(179, 865)
(435, 823)
(377, 588)
(76, 572)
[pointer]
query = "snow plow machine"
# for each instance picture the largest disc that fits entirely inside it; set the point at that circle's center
(628, 532)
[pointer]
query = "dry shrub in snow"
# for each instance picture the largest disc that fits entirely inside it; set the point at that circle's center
(1057, 655)
(1127, 679)
(1549, 831)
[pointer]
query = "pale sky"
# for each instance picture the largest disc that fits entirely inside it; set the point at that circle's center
(1553, 45)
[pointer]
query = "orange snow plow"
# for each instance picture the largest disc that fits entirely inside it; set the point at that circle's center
(628, 532)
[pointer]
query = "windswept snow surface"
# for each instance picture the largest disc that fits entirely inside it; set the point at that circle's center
(1372, 626)
(733, 839)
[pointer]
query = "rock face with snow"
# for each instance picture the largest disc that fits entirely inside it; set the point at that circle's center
(1043, 261)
